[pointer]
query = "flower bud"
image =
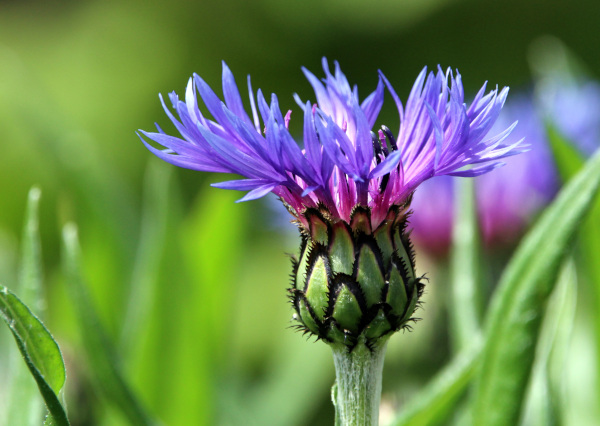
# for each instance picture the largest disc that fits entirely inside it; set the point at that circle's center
(353, 283)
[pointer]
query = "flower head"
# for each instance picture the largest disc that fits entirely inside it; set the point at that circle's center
(348, 186)
(343, 163)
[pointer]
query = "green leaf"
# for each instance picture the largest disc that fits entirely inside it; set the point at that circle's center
(144, 282)
(30, 280)
(545, 399)
(441, 394)
(465, 304)
(515, 313)
(569, 161)
(100, 351)
(25, 405)
(146, 320)
(40, 351)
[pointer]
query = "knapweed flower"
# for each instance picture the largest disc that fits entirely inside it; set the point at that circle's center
(347, 186)
(507, 200)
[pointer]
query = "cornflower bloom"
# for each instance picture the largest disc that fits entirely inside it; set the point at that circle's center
(507, 200)
(349, 189)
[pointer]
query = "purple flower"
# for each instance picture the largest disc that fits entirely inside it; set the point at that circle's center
(433, 215)
(342, 163)
(574, 109)
(507, 199)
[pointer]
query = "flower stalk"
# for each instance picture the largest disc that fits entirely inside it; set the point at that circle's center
(357, 390)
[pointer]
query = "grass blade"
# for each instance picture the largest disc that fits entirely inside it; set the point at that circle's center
(39, 349)
(100, 350)
(25, 405)
(150, 252)
(513, 322)
(30, 280)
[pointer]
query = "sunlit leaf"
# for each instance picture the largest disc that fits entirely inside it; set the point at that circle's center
(25, 406)
(40, 352)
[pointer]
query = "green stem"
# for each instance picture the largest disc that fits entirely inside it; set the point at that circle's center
(466, 300)
(357, 391)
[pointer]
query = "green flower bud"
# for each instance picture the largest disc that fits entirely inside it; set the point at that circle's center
(353, 283)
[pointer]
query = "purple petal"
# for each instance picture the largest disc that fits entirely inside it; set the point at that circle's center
(476, 171)
(373, 103)
(386, 166)
(259, 192)
(233, 100)
(242, 184)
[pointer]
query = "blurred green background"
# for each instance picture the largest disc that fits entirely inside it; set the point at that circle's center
(189, 285)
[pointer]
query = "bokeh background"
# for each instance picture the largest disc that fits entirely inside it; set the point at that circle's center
(189, 285)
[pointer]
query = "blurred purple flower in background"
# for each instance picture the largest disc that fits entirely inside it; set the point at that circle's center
(508, 199)
(433, 215)
(574, 109)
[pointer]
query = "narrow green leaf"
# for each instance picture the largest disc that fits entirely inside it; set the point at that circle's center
(100, 351)
(545, 398)
(30, 280)
(25, 405)
(440, 395)
(150, 251)
(40, 351)
(465, 303)
(513, 321)
(569, 161)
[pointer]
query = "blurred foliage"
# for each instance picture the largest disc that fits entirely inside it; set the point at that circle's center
(188, 286)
